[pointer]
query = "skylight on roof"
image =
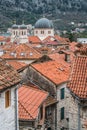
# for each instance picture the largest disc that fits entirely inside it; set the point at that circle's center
(31, 53)
(61, 69)
(12, 53)
(22, 54)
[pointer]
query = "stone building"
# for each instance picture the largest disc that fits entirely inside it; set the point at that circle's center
(50, 76)
(21, 53)
(31, 107)
(78, 89)
(9, 80)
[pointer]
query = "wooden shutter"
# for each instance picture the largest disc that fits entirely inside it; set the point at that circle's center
(62, 113)
(62, 93)
(7, 99)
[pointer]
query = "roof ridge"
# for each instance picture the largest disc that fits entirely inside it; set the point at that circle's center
(35, 88)
(26, 110)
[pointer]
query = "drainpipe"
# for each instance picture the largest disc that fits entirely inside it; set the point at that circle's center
(16, 110)
(79, 121)
(56, 118)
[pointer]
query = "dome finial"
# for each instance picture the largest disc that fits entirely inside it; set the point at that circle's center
(22, 21)
(14, 21)
(43, 15)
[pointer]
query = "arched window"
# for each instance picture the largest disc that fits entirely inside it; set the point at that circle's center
(14, 32)
(22, 33)
(49, 32)
(36, 32)
(42, 32)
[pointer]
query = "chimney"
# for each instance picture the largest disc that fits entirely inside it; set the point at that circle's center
(67, 57)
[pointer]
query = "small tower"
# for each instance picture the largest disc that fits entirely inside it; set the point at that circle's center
(23, 33)
(19, 33)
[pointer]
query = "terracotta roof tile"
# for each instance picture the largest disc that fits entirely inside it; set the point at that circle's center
(22, 51)
(8, 76)
(73, 46)
(54, 71)
(30, 100)
(82, 50)
(55, 40)
(78, 79)
(17, 65)
(60, 58)
(2, 38)
(34, 39)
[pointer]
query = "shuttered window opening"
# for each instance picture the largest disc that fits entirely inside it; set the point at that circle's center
(62, 93)
(62, 113)
(7, 98)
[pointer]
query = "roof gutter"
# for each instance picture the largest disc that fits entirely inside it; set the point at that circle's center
(16, 110)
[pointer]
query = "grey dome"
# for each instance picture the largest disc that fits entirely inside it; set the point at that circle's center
(15, 26)
(23, 26)
(43, 23)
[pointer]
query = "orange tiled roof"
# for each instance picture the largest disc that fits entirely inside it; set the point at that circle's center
(21, 51)
(72, 46)
(78, 79)
(82, 50)
(62, 39)
(30, 100)
(55, 40)
(8, 76)
(2, 38)
(17, 65)
(54, 71)
(34, 39)
(60, 58)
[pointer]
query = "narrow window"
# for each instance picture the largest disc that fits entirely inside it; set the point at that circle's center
(7, 99)
(42, 32)
(14, 32)
(22, 33)
(41, 112)
(62, 113)
(62, 93)
(36, 32)
(49, 32)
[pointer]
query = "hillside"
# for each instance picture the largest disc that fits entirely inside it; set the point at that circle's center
(60, 11)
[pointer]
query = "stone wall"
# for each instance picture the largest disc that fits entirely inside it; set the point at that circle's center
(44, 83)
(7, 115)
(70, 103)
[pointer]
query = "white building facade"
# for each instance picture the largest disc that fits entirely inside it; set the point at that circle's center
(8, 110)
(19, 34)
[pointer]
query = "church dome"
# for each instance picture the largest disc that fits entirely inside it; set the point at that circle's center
(43, 23)
(15, 26)
(23, 26)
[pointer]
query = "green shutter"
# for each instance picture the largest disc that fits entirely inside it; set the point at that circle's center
(62, 93)
(62, 113)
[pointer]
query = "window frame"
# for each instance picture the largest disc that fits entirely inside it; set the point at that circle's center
(62, 113)
(7, 98)
(62, 93)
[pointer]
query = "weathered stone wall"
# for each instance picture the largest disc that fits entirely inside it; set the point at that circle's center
(26, 125)
(7, 115)
(71, 111)
(44, 84)
(41, 81)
